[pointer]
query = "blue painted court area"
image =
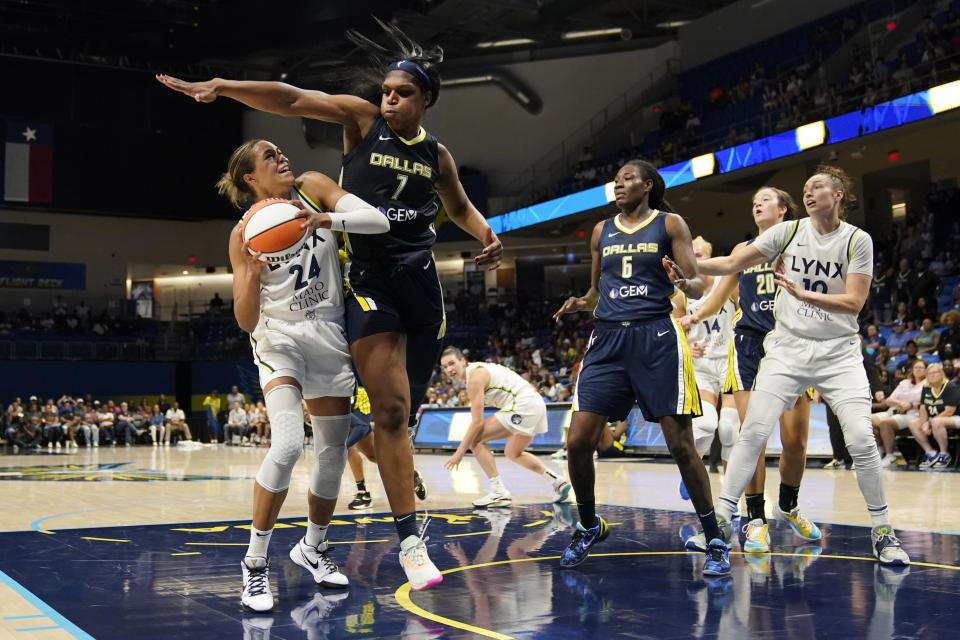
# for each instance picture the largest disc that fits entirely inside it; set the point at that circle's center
(501, 580)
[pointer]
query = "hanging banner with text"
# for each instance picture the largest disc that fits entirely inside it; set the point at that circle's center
(42, 275)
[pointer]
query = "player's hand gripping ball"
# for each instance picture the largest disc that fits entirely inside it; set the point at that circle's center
(271, 228)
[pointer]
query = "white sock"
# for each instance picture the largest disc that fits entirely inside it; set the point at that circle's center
(496, 484)
(316, 534)
(550, 476)
(259, 541)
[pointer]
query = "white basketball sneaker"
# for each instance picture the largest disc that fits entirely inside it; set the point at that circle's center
(421, 572)
(256, 584)
(498, 497)
(317, 561)
(561, 489)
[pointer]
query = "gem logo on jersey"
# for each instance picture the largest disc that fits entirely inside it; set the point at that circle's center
(398, 214)
(629, 291)
(764, 305)
(516, 418)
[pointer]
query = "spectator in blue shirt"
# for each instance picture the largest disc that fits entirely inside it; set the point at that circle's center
(873, 339)
(898, 341)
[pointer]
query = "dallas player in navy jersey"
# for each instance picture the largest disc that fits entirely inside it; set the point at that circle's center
(637, 352)
(294, 314)
(755, 290)
(827, 269)
(395, 319)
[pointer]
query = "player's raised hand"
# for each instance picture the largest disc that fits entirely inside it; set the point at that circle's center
(675, 273)
(492, 251)
(199, 91)
(571, 305)
(788, 285)
(312, 220)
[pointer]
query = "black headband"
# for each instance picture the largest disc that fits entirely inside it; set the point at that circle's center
(420, 76)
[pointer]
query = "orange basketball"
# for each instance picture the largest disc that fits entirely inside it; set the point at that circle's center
(271, 228)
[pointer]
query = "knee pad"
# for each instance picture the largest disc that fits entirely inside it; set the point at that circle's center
(330, 454)
(704, 428)
(728, 429)
(286, 442)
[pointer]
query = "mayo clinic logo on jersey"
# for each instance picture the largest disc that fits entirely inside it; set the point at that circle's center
(398, 214)
(765, 305)
(516, 418)
(628, 291)
(312, 296)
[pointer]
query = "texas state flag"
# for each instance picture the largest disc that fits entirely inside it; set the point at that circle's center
(28, 162)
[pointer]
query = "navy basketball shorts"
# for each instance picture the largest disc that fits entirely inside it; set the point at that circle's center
(746, 352)
(404, 299)
(359, 427)
(645, 362)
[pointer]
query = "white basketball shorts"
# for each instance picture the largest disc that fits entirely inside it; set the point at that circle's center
(792, 364)
(313, 352)
(711, 374)
(527, 418)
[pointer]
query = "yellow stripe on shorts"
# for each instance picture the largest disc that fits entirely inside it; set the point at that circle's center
(730, 384)
(691, 395)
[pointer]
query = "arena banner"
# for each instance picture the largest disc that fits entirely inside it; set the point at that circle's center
(445, 428)
(16, 274)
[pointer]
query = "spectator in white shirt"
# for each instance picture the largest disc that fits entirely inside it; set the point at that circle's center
(236, 423)
(176, 424)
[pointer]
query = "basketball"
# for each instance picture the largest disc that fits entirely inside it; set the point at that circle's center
(271, 228)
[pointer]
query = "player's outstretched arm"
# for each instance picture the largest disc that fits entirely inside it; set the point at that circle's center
(281, 98)
(477, 381)
(339, 209)
(588, 302)
(743, 256)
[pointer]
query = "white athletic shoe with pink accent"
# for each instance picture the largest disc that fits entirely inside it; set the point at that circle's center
(421, 572)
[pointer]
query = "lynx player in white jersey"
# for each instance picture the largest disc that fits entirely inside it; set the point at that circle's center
(521, 416)
(827, 269)
(709, 338)
(294, 314)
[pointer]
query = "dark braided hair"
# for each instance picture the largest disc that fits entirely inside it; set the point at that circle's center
(401, 47)
(655, 197)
